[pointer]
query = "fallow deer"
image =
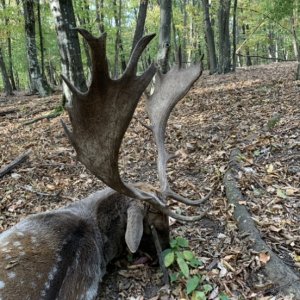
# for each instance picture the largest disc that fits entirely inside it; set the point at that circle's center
(63, 254)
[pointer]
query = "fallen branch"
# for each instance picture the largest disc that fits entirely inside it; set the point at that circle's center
(21, 158)
(7, 112)
(284, 279)
(49, 116)
(267, 58)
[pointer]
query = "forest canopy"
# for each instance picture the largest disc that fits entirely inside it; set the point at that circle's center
(258, 32)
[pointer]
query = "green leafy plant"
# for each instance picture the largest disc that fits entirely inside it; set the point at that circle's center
(184, 267)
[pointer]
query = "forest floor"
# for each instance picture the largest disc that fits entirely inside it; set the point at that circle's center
(255, 110)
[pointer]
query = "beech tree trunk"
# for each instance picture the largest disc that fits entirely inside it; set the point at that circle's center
(84, 22)
(36, 79)
(224, 37)
(119, 51)
(164, 35)
(69, 47)
(7, 86)
(100, 15)
(296, 45)
(210, 39)
(234, 35)
(41, 40)
(9, 49)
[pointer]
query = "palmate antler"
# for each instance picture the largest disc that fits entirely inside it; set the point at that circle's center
(170, 88)
(100, 118)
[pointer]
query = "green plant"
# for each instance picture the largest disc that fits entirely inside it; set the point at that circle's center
(185, 269)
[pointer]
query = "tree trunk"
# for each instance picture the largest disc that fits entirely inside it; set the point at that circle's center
(234, 35)
(209, 38)
(68, 43)
(37, 82)
(271, 46)
(50, 73)
(140, 23)
(10, 62)
(119, 51)
(41, 39)
(164, 35)
(7, 86)
(224, 37)
(184, 33)
(245, 28)
(84, 22)
(100, 15)
(296, 44)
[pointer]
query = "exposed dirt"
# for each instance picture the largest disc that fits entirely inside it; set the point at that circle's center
(255, 109)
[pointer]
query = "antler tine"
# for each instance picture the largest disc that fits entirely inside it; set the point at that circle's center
(169, 89)
(100, 71)
(136, 53)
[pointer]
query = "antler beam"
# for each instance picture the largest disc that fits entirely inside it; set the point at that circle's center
(170, 88)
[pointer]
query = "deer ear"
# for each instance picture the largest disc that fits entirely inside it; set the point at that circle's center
(134, 229)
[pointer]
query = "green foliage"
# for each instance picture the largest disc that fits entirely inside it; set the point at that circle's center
(274, 17)
(185, 269)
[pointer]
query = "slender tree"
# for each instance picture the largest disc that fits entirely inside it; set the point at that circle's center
(68, 43)
(164, 34)
(234, 34)
(119, 51)
(224, 37)
(210, 39)
(100, 15)
(36, 79)
(9, 48)
(7, 86)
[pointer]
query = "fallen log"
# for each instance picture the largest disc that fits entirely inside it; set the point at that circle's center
(6, 112)
(284, 279)
(21, 158)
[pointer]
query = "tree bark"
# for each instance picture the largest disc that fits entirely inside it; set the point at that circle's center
(100, 15)
(296, 44)
(119, 52)
(140, 23)
(164, 35)
(245, 28)
(41, 39)
(7, 86)
(184, 33)
(84, 22)
(68, 43)
(210, 39)
(234, 35)
(224, 37)
(9, 49)
(36, 80)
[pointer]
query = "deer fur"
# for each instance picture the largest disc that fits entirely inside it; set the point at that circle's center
(63, 254)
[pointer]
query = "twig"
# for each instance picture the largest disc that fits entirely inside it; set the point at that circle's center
(21, 158)
(49, 116)
(43, 194)
(143, 124)
(30, 189)
(159, 255)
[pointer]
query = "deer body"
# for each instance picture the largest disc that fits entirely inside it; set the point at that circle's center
(63, 254)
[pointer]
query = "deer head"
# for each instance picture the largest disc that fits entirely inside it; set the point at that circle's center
(63, 254)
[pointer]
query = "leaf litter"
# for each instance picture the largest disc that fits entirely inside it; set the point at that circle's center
(255, 109)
